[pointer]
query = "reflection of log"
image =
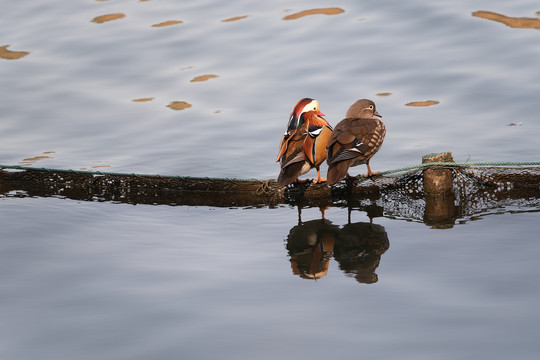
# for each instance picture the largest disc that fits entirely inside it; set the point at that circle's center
(440, 211)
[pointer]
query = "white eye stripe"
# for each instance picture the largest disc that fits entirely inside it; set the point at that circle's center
(312, 106)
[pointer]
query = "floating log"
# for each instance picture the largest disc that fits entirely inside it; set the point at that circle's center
(173, 190)
(457, 190)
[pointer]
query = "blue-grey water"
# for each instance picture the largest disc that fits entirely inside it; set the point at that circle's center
(89, 280)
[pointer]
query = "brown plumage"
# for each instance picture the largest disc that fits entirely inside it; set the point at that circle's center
(355, 140)
(303, 146)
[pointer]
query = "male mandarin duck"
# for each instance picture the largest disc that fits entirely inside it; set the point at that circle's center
(303, 146)
(355, 140)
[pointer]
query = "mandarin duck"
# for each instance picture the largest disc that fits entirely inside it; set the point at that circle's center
(355, 140)
(303, 146)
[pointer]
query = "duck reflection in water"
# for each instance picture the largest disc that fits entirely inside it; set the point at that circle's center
(357, 247)
(311, 245)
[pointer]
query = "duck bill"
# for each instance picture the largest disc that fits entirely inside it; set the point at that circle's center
(376, 113)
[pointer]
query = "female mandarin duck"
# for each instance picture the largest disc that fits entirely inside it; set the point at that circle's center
(355, 140)
(303, 146)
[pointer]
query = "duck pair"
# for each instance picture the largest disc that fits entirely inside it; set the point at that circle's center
(310, 139)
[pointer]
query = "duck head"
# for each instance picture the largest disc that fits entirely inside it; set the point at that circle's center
(304, 106)
(362, 109)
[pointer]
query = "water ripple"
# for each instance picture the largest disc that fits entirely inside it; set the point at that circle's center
(108, 17)
(143, 99)
(11, 55)
(513, 22)
(203, 78)
(235, 18)
(179, 105)
(168, 23)
(422, 103)
(324, 11)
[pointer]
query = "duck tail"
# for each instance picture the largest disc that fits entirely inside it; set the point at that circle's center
(290, 173)
(337, 172)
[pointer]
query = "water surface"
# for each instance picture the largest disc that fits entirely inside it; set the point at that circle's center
(73, 93)
(86, 280)
(205, 88)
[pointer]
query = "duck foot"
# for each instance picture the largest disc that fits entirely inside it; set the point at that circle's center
(370, 174)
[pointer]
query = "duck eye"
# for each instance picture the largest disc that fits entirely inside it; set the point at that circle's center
(370, 107)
